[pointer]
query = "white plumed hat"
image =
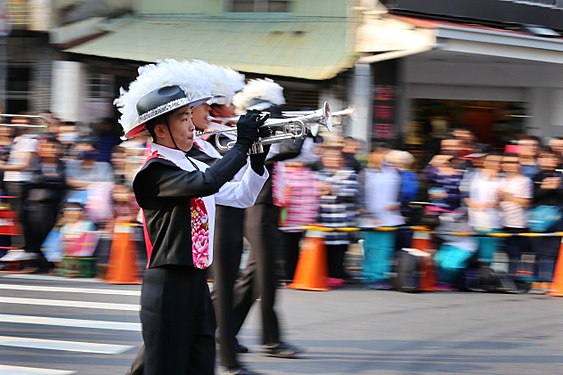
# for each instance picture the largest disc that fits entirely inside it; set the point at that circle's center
(194, 82)
(258, 91)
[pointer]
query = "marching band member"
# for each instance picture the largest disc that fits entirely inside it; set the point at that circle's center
(178, 195)
(229, 223)
(259, 279)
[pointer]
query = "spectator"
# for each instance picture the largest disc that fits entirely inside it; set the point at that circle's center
(482, 202)
(105, 138)
(295, 190)
(45, 192)
(338, 188)
(91, 182)
(548, 193)
(528, 148)
(402, 161)
(17, 174)
(75, 230)
(443, 182)
(379, 207)
(350, 148)
(68, 134)
(556, 145)
(515, 196)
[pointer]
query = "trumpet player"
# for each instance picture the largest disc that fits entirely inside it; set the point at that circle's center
(177, 194)
(229, 221)
(259, 278)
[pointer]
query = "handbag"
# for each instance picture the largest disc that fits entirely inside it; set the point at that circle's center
(542, 217)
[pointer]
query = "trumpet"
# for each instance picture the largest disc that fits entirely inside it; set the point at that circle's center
(281, 130)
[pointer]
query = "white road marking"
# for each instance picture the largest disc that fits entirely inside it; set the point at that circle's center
(38, 288)
(26, 276)
(76, 323)
(69, 346)
(69, 303)
(16, 370)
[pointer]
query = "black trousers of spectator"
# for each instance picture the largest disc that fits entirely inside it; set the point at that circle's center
(178, 322)
(546, 250)
(335, 255)
(291, 245)
(514, 247)
(228, 248)
(259, 280)
(40, 217)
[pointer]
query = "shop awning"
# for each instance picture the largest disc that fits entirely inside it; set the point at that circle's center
(389, 37)
(315, 49)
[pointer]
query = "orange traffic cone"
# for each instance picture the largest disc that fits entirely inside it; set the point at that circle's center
(557, 283)
(421, 240)
(311, 272)
(122, 267)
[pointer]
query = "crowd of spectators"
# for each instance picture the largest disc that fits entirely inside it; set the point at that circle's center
(466, 188)
(69, 184)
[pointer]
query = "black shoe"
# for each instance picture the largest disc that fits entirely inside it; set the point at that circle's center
(281, 350)
(241, 370)
(239, 348)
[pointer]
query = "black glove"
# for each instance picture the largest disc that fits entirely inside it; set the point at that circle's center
(257, 160)
(247, 127)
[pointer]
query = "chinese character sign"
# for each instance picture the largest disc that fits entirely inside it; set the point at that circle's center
(384, 97)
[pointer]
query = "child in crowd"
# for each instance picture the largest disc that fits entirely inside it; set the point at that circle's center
(77, 232)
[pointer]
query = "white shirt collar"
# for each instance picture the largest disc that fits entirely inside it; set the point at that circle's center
(177, 157)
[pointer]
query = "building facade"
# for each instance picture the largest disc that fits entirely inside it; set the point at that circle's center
(410, 71)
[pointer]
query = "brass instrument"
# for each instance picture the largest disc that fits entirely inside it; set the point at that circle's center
(283, 130)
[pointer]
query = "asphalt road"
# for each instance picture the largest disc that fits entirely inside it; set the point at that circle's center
(61, 326)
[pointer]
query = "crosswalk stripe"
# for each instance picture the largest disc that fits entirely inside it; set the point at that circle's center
(25, 276)
(17, 370)
(65, 322)
(69, 346)
(38, 288)
(69, 303)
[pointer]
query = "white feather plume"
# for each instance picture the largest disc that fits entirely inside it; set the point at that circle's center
(190, 76)
(226, 82)
(257, 90)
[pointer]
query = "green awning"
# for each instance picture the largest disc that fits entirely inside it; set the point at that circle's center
(315, 49)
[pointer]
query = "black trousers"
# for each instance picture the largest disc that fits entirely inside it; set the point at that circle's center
(40, 217)
(228, 248)
(178, 322)
(259, 280)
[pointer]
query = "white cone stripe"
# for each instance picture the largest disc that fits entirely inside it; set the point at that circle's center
(421, 236)
(17, 370)
(69, 346)
(68, 303)
(75, 323)
(37, 288)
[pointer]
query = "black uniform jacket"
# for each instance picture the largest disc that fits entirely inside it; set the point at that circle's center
(163, 190)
